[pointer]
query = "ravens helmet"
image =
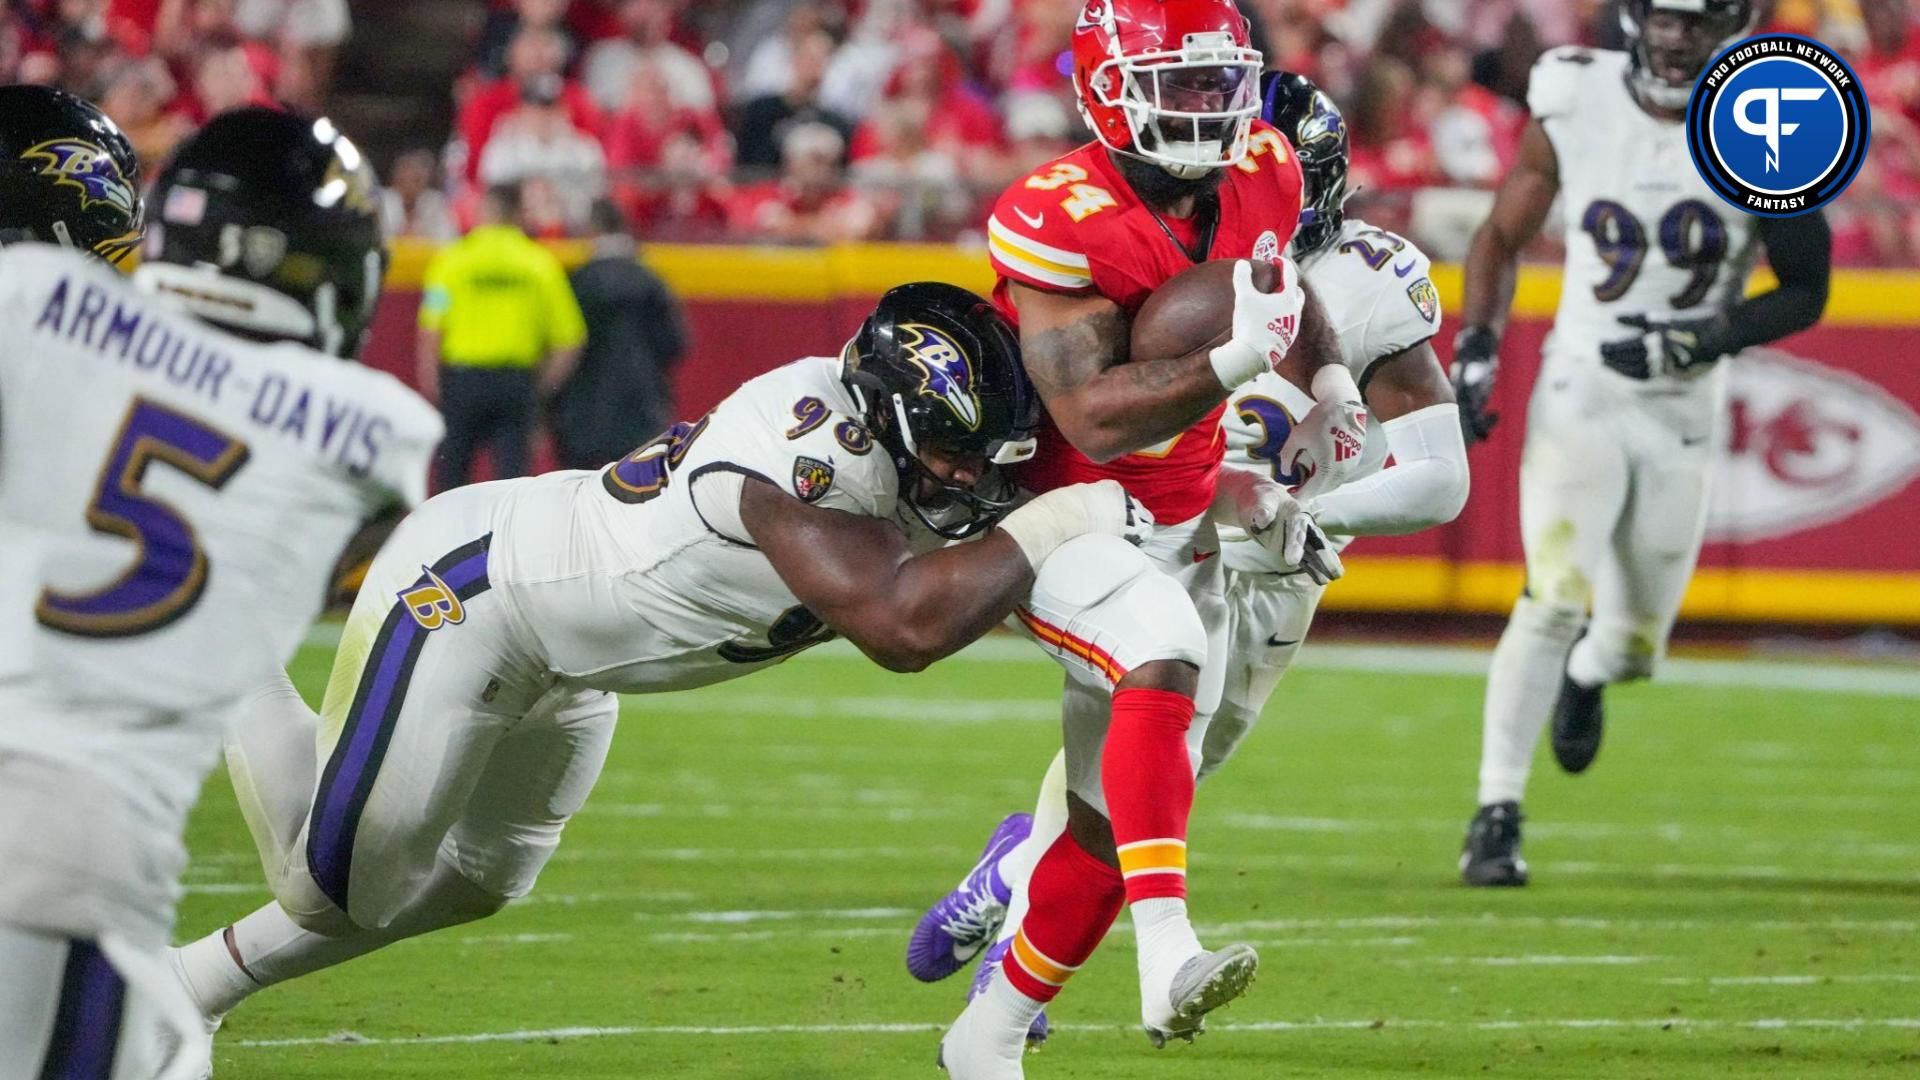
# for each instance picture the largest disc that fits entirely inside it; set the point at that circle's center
(1313, 123)
(1663, 71)
(67, 174)
(937, 366)
(268, 224)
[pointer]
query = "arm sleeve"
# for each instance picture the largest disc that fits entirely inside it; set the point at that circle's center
(566, 326)
(436, 296)
(1425, 486)
(1800, 250)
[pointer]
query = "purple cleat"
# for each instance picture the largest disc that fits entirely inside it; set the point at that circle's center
(982, 975)
(965, 920)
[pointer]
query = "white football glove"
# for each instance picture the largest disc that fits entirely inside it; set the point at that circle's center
(1264, 324)
(1284, 526)
(1325, 447)
(1054, 517)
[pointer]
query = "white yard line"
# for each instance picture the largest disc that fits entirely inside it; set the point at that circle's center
(348, 1038)
(1785, 980)
(1449, 660)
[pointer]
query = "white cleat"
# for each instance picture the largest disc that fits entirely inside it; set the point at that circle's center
(971, 1051)
(187, 1053)
(1203, 984)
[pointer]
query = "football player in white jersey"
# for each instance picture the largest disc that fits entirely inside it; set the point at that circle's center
(184, 457)
(472, 698)
(1628, 411)
(1376, 291)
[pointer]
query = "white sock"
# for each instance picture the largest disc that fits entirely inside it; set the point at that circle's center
(215, 981)
(999, 1018)
(1049, 821)
(1163, 940)
(1586, 666)
(1521, 687)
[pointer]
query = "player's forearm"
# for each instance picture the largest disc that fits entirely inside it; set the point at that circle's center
(1801, 253)
(1129, 408)
(936, 604)
(1492, 272)
(1426, 486)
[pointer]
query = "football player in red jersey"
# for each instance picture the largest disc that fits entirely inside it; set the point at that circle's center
(1180, 173)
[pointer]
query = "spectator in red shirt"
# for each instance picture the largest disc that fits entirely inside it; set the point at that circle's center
(497, 33)
(226, 79)
(637, 134)
(1391, 149)
(534, 52)
(810, 202)
(960, 125)
(136, 99)
(681, 199)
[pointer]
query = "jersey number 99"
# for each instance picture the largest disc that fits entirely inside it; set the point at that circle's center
(1691, 235)
(170, 572)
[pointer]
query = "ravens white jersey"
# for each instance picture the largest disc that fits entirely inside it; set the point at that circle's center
(1643, 232)
(641, 577)
(1376, 289)
(172, 502)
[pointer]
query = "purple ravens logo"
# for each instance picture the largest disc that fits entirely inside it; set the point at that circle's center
(948, 373)
(80, 164)
(1322, 124)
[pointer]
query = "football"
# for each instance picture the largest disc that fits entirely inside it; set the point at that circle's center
(1193, 312)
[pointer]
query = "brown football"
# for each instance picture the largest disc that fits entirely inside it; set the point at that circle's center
(1193, 311)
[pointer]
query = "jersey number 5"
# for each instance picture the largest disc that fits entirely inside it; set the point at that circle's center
(1692, 237)
(171, 571)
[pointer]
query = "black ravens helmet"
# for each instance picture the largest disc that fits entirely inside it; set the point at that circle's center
(1665, 67)
(1313, 123)
(937, 366)
(268, 224)
(67, 174)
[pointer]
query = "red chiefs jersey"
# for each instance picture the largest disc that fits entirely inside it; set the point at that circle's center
(1075, 226)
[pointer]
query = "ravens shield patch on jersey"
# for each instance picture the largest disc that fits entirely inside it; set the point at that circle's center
(1426, 298)
(812, 478)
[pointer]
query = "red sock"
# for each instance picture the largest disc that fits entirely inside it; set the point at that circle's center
(1073, 899)
(1149, 786)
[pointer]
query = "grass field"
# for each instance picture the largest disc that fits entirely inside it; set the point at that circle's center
(1733, 890)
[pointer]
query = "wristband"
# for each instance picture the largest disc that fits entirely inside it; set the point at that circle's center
(1236, 362)
(1333, 382)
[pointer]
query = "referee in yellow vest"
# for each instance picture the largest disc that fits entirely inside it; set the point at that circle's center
(499, 330)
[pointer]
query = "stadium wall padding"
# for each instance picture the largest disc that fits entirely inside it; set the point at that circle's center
(1817, 510)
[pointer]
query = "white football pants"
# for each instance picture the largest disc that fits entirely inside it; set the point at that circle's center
(1614, 484)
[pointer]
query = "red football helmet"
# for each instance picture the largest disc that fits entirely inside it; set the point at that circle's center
(1174, 82)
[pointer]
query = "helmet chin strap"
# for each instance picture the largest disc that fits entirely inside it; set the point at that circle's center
(217, 298)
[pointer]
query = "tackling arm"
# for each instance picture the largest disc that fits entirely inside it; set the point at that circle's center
(1427, 483)
(906, 611)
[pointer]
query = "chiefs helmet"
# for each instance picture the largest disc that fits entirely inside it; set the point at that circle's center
(1664, 71)
(67, 174)
(939, 366)
(1171, 82)
(268, 224)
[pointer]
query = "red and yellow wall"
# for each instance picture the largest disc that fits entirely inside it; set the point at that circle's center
(1855, 561)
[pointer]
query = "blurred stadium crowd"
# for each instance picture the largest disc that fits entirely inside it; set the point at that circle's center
(817, 121)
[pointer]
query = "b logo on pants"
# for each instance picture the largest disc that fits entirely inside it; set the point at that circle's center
(434, 604)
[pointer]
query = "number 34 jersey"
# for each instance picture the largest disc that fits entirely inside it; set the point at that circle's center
(1644, 234)
(642, 577)
(173, 500)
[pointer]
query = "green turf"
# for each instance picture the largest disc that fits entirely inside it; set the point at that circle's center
(1723, 835)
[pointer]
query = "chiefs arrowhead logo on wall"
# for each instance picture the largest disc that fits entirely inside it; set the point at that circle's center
(1807, 445)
